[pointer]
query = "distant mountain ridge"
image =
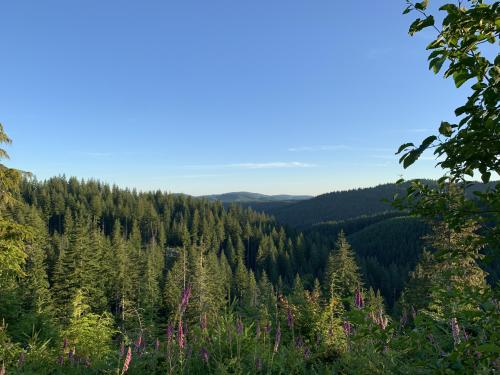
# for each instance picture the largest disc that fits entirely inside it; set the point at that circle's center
(302, 211)
(246, 197)
(343, 205)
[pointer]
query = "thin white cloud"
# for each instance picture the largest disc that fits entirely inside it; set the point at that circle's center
(319, 148)
(267, 165)
(340, 147)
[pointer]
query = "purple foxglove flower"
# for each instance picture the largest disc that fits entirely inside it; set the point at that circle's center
(186, 294)
(382, 320)
(157, 344)
(358, 299)
(277, 339)
(2, 369)
(455, 330)
(204, 354)
(257, 329)
(180, 336)
(170, 332)
(347, 328)
(127, 361)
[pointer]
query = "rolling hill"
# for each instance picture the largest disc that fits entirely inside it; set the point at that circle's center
(246, 197)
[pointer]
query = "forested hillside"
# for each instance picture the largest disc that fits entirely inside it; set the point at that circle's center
(345, 205)
(121, 261)
(339, 205)
(166, 223)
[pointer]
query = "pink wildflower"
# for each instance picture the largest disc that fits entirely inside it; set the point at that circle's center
(455, 330)
(347, 328)
(128, 359)
(170, 331)
(277, 339)
(180, 336)
(382, 320)
(358, 299)
(186, 294)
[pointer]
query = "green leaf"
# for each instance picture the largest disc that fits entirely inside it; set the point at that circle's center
(426, 143)
(449, 8)
(434, 54)
(460, 110)
(485, 177)
(422, 5)
(445, 129)
(436, 43)
(420, 24)
(461, 77)
(437, 63)
(429, 21)
(488, 348)
(479, 86)
(403, 146)
(411, 158)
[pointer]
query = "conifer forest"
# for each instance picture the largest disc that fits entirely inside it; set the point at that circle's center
(402, 278)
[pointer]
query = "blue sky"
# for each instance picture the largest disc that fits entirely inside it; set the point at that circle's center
(282, 96)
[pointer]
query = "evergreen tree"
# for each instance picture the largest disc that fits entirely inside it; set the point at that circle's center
(35, 284)
(342, 273)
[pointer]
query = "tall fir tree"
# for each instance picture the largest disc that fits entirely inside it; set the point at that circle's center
(342, 276)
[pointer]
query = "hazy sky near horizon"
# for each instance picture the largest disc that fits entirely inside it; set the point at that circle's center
(283, 96)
